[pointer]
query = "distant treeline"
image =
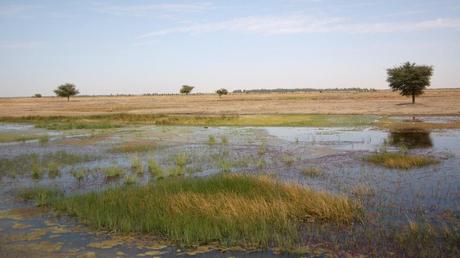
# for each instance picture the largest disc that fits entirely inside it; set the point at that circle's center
(281, 90)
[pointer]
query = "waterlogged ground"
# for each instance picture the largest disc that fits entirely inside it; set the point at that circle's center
(391, 197)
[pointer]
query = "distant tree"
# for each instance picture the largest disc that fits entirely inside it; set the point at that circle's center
(186, 89)
(410, 79)
(37, 95)
(66, 91)
(221, 92)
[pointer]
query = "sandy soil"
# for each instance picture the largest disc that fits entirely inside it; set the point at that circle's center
(433, 102)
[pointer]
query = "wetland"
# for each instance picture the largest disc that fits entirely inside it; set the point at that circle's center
(298, 185)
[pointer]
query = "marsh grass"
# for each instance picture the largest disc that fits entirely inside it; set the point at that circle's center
(43, 140)
(313, 172)
(119, 120)
(79, 174)
(262, 149)
(211, 140)
(37, 171)
(113, 172)
(53, 170)
(131, 180)
(225, 166)
(9, 137)
(137, 165)
(400, 160)
(363, 191)
(230, 209)
(36, 164)
(224, 140)
(133, 147)
(155, 169)
(426, 240)
(41, 196)
(288, 159)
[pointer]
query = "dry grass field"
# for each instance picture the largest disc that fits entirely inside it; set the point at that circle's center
(433, 102)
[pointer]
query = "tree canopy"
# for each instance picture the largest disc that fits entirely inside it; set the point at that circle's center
(186, 89)
(66, 90)
(221, 92)
(410, 79)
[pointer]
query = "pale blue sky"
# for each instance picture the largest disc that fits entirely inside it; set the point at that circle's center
(138, 47)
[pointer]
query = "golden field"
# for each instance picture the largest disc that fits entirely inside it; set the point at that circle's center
(433, 102)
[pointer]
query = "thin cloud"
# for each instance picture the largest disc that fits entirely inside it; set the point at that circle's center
(20, 45)
(15, 10)
(148, 9)
(298, 24)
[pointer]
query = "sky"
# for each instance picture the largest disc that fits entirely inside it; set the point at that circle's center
(136, 47)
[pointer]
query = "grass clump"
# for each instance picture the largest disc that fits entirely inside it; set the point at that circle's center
(113, 172)
(133, 147)
(79, 174)
(43, 140)
(10, 137)
(155, 169)
(137, 165)
(41, 196)
(426, 240)
(313, 172)
(224, 139)
(288, 159)
(400, 160)
(37, 171)
(131, 180)
(211, 140)
(230, 209)
(35, 164)
(53, 170)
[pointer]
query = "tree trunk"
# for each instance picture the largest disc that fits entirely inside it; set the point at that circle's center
(68, 98)
(413, 98)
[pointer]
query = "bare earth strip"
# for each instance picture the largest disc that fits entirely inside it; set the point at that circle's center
(433, 102)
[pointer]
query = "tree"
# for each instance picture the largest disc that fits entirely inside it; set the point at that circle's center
(37, 95)
(186, 89)
(410, 79)
(221, 92)
(66, 90)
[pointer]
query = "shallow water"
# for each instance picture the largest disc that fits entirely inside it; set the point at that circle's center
(421, 193)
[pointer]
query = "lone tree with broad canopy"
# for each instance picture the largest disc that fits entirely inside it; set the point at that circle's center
(410, 79)
(221, 92)
(66, 91)
(186, 89)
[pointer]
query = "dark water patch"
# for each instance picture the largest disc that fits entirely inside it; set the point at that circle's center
(411, 139)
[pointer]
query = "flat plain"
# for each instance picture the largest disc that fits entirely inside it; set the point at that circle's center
(383, 102)
(331, 174)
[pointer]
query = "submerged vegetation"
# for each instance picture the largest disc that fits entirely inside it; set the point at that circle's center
(230, 209)
(133, 147)
(119, 120)
(113, 172)
(400, 160)
(37, 164)
(313, 172)
(9, 137)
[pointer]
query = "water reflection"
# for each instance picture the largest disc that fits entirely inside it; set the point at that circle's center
(411, 139)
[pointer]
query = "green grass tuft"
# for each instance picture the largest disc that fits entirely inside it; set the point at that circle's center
(313, 172)
(36, 164)
(155, 169)
(41, 196)
(137, 165)
(113, 172)
(133, 147)
(230, 209)
(211, 140)
(400, 160)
